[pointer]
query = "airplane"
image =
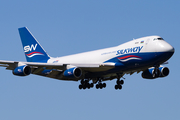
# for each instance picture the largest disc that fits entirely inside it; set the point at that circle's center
(146, 54)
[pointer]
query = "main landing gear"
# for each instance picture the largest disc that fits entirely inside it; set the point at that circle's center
(119, 84)
(85, 84)
(100, 85)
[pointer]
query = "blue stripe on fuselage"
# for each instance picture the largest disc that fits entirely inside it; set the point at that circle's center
(146, 59)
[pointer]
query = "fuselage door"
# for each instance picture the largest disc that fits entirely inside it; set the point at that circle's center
(147, 41)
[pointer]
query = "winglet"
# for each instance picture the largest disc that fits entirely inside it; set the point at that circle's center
(34, 52)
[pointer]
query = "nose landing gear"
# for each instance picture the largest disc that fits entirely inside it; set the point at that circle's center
(156, 71)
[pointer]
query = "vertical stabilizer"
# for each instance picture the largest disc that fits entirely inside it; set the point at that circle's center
(34, 52)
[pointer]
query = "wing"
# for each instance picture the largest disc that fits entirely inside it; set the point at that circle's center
(55, 70)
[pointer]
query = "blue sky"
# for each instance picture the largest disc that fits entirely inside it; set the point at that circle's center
(68, 27)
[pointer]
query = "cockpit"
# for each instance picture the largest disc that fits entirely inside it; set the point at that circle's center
(158, 38)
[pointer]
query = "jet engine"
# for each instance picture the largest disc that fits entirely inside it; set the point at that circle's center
(73, 73)
(22, 70)
(149, 73)
(164, 71)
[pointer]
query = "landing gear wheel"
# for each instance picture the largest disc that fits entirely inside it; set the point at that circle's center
(116, 87)
(92, 85)
(104, 85)
(100, 85)
(97, 86)
(88, 86)
(80, 87)
(84, 87)
(122, 82)
(120, 87)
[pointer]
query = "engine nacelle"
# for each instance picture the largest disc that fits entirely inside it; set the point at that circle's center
(22, 70)
(164, 71)
(73, 73)
(148, 74)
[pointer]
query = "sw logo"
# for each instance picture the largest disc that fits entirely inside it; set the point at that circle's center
(28, 48)
(33, 47)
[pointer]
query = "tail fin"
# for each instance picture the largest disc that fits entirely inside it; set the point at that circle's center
(34, 52)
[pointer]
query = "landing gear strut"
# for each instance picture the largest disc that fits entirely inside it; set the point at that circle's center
(156, 72)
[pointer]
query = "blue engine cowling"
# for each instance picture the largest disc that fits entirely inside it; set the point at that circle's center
(148, 74)
(22, 70)
(73, 73)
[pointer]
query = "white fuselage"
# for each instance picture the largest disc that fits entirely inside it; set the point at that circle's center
(141, 45)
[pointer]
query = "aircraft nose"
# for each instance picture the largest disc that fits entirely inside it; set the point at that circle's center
(169, 48)
(164, 47)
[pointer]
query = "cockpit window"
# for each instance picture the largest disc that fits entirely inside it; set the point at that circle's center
(158, 39)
